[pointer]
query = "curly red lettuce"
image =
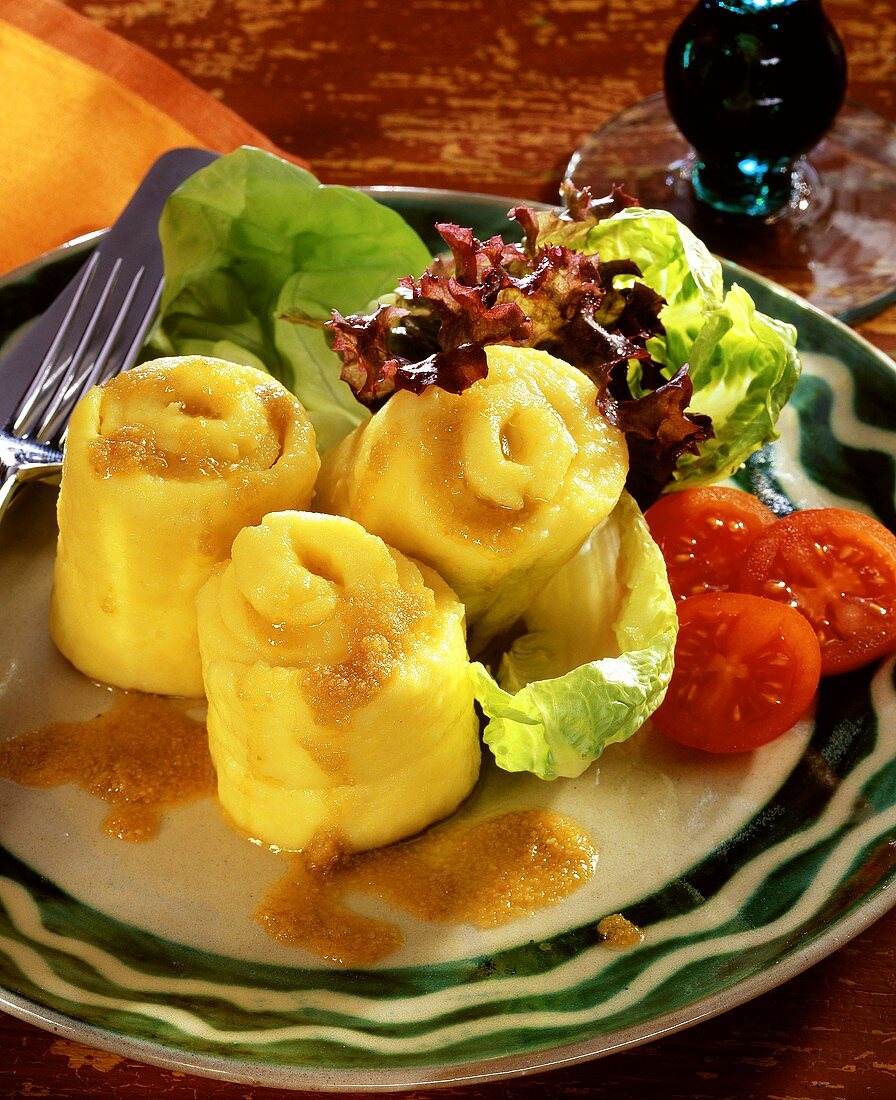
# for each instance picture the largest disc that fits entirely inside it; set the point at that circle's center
(548, 297)
(580, 209)
(373, 372)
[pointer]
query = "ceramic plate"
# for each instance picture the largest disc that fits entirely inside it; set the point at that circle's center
(741, 871)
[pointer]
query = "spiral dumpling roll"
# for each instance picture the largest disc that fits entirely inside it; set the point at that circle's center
(163, 465)
(340, 709)
(495, 487)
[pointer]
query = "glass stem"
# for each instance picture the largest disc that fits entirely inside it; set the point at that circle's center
(748, 186)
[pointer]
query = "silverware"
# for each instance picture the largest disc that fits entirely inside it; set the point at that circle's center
(92, 331)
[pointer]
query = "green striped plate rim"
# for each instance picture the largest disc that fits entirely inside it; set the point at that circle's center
(808, 871)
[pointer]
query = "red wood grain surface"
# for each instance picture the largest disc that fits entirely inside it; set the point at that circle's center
(493, 95)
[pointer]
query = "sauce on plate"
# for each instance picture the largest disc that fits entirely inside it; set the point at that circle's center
(142, 756)
(619, 932)
(146, 754)
(485, 873)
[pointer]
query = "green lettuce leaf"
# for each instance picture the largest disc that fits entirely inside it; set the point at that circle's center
(743, 365)
(257, 254)
(595, 660)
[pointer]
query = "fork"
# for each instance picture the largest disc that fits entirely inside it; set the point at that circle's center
(93, 331)
(101, 334)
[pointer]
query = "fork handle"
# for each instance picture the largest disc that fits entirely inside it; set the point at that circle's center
(9, 480)
(24, 460)
(12, 477)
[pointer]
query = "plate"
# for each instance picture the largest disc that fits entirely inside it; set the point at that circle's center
(741, 871)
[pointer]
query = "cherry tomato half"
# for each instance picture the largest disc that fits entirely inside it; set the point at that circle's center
(838, 568)
(703, 534)
(746, 670)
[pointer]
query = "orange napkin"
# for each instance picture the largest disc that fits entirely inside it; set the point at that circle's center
(85, 113)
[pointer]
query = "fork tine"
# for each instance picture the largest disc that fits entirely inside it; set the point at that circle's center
(144, 327)
(76, 362)
(85, 381)
(105, 365)
(49, 370)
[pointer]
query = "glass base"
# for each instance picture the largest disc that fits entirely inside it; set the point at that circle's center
(834, 243)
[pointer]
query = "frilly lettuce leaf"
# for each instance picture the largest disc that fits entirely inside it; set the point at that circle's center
(251, 240)
(564, 302)
(743, 365)
(595, 660)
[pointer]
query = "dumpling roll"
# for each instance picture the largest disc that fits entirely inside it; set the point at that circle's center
(496, 487)
(340, 709)
(163, 465)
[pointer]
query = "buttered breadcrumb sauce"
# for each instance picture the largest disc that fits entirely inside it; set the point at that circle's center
(146, 755)
(485, 873)
(377, 633)
(142, 756)
(193, 453)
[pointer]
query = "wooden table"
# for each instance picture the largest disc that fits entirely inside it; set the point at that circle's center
(493, 95)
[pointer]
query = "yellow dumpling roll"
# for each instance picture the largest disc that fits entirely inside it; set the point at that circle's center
(163, 465)
(340, 709)
(495, 487)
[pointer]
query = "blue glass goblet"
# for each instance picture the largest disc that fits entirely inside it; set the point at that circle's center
(755, 149)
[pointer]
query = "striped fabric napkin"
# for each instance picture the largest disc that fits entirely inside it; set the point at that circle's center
(84, 115)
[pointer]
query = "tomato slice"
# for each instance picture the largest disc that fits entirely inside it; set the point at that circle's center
(746, 670)
(703, 534)
(838, 568)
